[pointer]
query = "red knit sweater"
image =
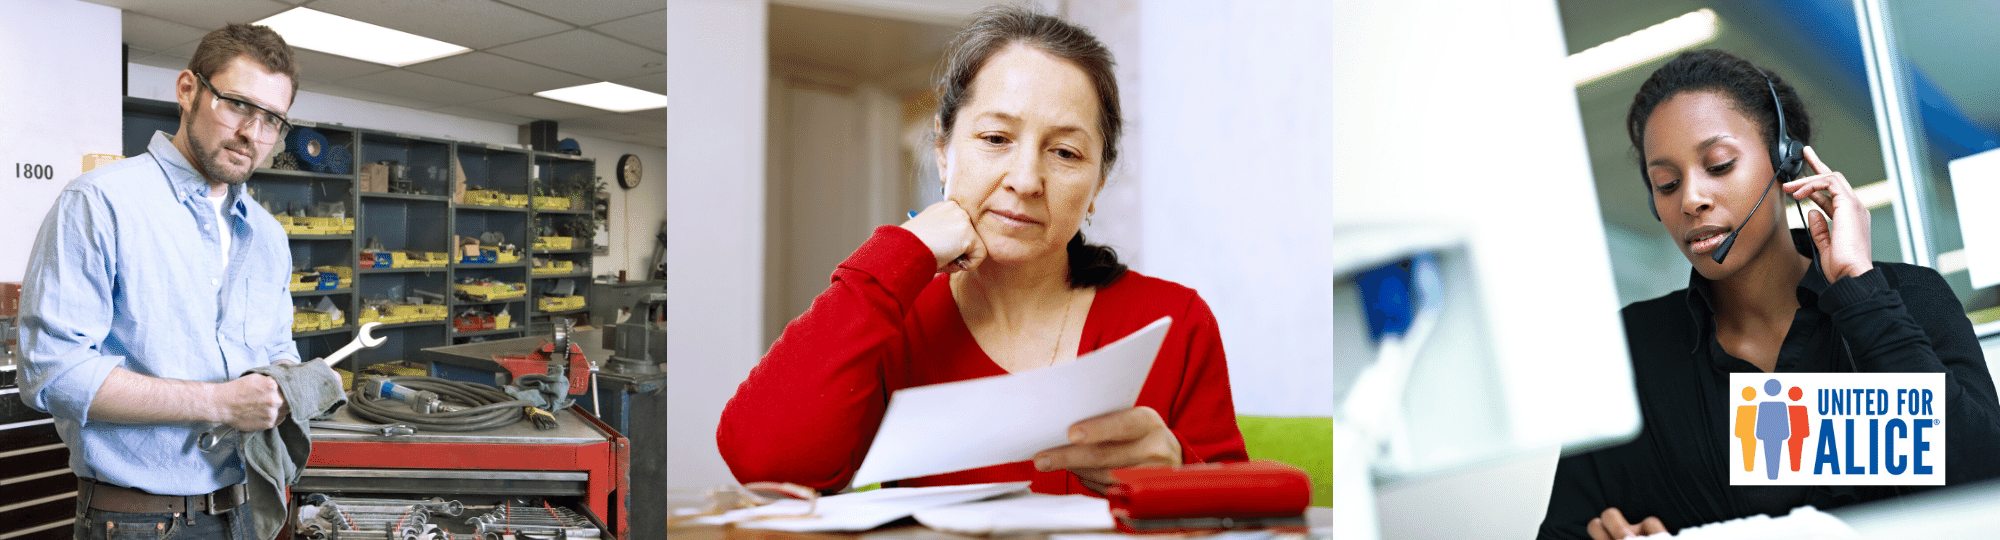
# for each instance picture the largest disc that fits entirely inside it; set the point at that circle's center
(810, 408)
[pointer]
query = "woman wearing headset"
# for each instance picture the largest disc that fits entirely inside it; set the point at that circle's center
(1706, 127)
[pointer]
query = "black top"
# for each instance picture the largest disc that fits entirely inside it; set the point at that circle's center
(1894, 318)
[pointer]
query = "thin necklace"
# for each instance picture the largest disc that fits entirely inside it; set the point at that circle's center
(1068, 306)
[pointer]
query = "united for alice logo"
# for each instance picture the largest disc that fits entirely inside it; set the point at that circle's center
(1831, 429)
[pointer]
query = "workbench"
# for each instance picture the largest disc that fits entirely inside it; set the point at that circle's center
(632, 405)
(581, 458)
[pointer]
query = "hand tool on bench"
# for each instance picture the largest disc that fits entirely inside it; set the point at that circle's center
(363, 339)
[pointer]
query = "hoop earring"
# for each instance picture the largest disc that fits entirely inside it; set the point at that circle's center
(1086, 218)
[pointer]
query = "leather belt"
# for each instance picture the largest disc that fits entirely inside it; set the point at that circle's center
(113, 498)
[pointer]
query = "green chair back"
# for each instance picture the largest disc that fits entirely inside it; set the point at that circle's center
(1303, 442)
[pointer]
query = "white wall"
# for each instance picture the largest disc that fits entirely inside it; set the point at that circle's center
(61, 58)
(635, 213)
(715, 264)
(1236, 127)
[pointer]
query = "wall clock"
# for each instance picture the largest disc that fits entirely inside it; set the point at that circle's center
(629, 169)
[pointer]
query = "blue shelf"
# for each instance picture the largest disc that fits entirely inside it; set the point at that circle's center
(282, 173)
(484, 208)
(405, 196)
(514, 330)
(329, 331)
(322, 292)
(395, 270)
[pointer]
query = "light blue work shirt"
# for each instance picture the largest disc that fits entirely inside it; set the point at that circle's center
(128, 271)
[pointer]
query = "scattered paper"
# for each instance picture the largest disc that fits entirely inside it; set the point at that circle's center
(1029, 512)
(962, 425)
(859, 511)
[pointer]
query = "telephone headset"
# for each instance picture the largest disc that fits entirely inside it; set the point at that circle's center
(1787, 160)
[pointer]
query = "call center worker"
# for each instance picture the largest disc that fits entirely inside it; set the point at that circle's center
(995, 279)
(1706, 127)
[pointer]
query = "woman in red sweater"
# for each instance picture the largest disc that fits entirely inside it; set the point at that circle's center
(995, 279)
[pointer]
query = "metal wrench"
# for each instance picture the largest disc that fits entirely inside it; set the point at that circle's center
(363, 339)
(391, 430)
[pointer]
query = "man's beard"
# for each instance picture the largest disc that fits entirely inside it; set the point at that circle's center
(211, 165)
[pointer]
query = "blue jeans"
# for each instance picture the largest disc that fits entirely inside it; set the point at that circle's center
(94, 524)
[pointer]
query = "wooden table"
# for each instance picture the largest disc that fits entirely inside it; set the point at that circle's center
(905, 529)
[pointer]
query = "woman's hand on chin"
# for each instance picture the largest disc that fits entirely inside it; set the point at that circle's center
(947, 230)
(1844, 248)
(1127, 438)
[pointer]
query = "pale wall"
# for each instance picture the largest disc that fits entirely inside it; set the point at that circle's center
(61, 58)
(715, 264)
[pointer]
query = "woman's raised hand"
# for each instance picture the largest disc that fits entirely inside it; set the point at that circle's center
(1844, 247)
(1131, 437)
(947, 230)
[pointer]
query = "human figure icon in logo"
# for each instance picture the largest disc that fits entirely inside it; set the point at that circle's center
(1800, 426)
(1773, 427)
(1746, 429)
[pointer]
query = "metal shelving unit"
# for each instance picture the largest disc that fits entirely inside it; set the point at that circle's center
(429, 216)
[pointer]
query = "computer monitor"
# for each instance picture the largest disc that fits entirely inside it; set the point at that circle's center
(1424, 382)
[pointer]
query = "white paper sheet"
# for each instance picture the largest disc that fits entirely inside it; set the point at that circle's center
(963, 425)
(862, 510)
(1027, 512)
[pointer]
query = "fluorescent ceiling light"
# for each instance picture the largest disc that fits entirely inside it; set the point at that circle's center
(1954, 261)
(608, 96)
(1642, 46)
(334, 34)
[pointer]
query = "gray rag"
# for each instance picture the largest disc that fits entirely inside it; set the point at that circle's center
(275, 457)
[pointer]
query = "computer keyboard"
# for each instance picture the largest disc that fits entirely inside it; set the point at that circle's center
(1804, 523)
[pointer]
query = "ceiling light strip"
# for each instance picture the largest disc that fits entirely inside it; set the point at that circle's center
(334, 34)
(607, 96)
(1639, 47)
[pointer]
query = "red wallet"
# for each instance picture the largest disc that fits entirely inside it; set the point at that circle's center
(1249, 494)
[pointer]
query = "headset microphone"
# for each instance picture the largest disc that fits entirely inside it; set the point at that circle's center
(1723, 250)
(1786, 160)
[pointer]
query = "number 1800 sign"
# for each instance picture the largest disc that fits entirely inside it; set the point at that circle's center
(34, 171)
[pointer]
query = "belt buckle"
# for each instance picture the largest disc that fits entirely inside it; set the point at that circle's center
(212, 506)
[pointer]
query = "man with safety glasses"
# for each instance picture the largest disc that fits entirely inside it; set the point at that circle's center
(154, 283)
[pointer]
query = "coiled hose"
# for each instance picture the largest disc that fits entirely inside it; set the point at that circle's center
(481, 407)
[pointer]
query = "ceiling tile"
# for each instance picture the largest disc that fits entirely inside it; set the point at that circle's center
(591, 12)
(500, 72)
(363, 95)
(413, 85)
(206, 15)
(587, 53)
(489, 116)
(536, 107)
(162, 60)
(319, 66)
(155, 34)
(655, 83)
(647, 30)
(478, 24)
(184, 50)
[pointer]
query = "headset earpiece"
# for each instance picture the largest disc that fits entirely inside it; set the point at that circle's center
(1791, 158)
(1788, 157)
